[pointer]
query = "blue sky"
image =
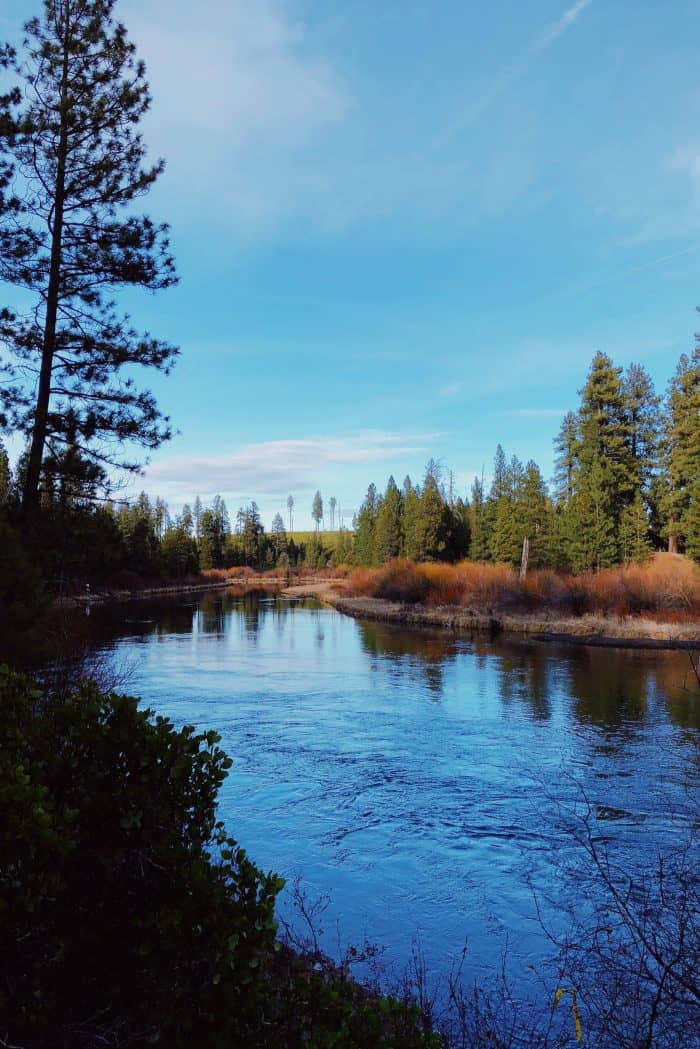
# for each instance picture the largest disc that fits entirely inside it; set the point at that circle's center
(404, 229)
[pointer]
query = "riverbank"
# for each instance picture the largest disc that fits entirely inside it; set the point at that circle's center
(627, 631)
(589, 629)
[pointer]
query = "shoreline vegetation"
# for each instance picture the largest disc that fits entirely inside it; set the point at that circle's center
(654, 605)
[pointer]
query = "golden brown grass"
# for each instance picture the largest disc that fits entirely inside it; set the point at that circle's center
(667, 586)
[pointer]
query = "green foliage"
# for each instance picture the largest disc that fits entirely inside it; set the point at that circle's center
(22, 601)
(179, 554)
(5, 475)
(387, 539)
(681, 455)
(79, 161)
(634, 541)
(365, 553)
(127, 915)
(324, 1009)
(126, 910)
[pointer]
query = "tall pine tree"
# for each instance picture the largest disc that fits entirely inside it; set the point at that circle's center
(69, 235)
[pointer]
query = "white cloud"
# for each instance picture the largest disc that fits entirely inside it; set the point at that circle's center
(240, 75)
(274, 468)
(562, 24)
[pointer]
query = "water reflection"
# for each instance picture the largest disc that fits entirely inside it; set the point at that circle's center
(384, 764)
(421, 655)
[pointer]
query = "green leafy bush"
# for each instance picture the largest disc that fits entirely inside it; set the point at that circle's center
(126, 914)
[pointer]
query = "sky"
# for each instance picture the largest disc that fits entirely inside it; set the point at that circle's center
(404, 229)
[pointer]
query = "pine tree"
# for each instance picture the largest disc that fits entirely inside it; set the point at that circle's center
(566, 459)
(433, 537)
(592, 534)
(479, 549)
(504, 527)
(365, 553)
(387, 538)
(250, 527)
(78, 163)
(634, 540)
(317, 509)
(197, 517)
(607, 477)
(534, 514)
(186, 521)
(642, 408)
(5, 475)
(279, 537)
(681, 456)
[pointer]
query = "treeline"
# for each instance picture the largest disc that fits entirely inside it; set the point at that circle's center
(627, 482)
(76, 538)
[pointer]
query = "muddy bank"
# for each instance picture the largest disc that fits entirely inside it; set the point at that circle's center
(631, 632)
(95, 596)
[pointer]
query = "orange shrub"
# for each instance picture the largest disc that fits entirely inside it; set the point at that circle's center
(667, 586)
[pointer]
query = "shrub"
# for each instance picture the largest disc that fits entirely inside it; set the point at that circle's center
(126, 911)
(668, 586)
(127, 916)
(22, 601)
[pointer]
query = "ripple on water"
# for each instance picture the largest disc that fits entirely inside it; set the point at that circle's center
(428, 783)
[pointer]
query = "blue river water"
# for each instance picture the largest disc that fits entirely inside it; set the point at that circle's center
(422, 781)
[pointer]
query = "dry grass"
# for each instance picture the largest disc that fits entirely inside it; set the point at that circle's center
(666, 587)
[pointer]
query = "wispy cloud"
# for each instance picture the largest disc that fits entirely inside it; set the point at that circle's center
(274, 468)
(450, 389)
(513, 71)
(235, 93)
(594, 283)
(562, 24)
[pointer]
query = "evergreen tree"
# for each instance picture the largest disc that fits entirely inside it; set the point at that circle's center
(681, 457)
(608, 474)
(179, 552)
(137, 527)
(5, 475)
(186, 521)
(642, 408)
(333, 504)
(634, 540)
(479, 548)
(290, 510)
(504, 527)
(250, 527)
(197, 517)
(410, 535)
(365, 553)
(433, 537)
(592, 535)
(566, 458)
(387, 538)
(279, 537)
(317, 509)
(534, 514)
(460, 530)
(343, 553)
(79, 162)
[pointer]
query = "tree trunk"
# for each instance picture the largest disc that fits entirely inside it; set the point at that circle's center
(672, 539)
(523, 559)
(36, 452)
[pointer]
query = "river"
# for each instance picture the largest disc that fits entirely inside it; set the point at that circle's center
(422, 781)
